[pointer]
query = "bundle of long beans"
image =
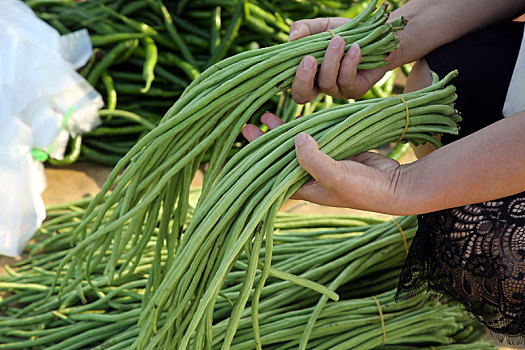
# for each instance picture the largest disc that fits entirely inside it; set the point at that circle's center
(356, 324)
(240, 209)
(154, 176)
(147, 51)
(107, 319)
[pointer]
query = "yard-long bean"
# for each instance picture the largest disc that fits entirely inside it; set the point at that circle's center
(209, 115)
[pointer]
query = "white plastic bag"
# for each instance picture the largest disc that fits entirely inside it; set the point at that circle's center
(38, 86)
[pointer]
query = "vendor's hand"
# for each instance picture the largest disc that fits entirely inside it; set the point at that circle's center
(365, 181)
(338, 76)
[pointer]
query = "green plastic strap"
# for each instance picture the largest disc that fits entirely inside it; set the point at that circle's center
(40, 154)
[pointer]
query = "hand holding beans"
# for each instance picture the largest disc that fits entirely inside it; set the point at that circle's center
(338, 74)
(337, 183)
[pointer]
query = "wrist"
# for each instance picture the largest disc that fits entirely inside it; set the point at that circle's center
(397, 57)
(404, 199)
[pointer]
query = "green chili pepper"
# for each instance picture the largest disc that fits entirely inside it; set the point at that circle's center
(233, 29)
(133, 7)
(110, 90)
(108, 39)
(87, 68)
(215, 29)
(111, 93)
(126, 55)
(154, 92)
(73, 154)
(172, 31)
(109, 59)
(138, 26)
(37, 3)
(148, 71)
(102, 158)
(127, 115)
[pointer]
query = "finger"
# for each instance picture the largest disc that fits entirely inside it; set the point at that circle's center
(251, 132)
(314, 192)
(318, 164)
(329, 70)
(307, 27)
(348, 70)
(375, 160)
(271, 120)
(365, 156)
(352, 82)
(304, 88)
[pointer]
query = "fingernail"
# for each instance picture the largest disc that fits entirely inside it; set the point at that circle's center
(336, 42)
(308, 63)
(300, 139)
(354, 49)
(293, 35)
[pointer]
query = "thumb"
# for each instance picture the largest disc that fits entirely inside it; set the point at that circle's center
(317, 163)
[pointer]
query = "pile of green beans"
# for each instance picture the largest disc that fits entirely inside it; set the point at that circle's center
(154, 177)
(34, 317)
(356, 324)
(189, 273)
(239, 210)
(107, 318)
(146, 52)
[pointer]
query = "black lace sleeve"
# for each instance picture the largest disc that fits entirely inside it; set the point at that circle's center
(474, 255)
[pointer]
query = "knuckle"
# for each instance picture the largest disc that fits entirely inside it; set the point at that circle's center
(305, 159)
(347, 89)
(344, 84)
(325, 85)
(346, 94)
(347, 65)
(330, 89)
(304, 75)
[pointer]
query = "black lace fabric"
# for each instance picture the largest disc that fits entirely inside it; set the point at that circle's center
(474, 255)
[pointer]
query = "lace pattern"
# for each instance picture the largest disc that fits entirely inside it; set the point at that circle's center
(474, 255)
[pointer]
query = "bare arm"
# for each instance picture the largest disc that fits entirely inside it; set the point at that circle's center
(434, 23)
(486, 165)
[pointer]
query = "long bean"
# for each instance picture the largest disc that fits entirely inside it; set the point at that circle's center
(179, 122)
(211, 220)
(284, 309)
(153, 178)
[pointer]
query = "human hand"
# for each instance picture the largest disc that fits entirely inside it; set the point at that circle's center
(366, 181)
(338, 74)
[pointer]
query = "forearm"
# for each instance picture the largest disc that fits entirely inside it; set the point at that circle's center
(486, 165)
(433, 23)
